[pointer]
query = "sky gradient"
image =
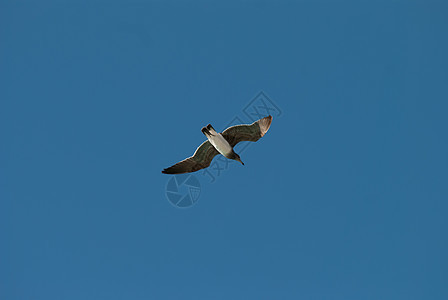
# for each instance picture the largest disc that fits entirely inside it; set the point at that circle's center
(344, 198)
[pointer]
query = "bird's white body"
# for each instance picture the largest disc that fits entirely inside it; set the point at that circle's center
(219, 142)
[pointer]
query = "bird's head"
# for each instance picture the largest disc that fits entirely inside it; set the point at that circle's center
(238, 158)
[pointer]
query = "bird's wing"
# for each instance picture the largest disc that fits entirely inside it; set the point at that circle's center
(201, 159)
(247, 132)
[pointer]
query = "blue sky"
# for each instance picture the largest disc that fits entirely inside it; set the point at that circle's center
(344, 198)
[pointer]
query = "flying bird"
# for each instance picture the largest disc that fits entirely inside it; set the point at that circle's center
(221, 143)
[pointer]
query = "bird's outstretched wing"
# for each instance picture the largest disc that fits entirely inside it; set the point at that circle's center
(247, 132)
(201, 159)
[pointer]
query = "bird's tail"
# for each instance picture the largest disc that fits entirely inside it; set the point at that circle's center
(211, 129)
(205, 131)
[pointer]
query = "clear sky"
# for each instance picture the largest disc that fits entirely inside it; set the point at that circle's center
(344, 198)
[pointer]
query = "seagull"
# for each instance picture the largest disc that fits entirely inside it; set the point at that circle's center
(221, 143)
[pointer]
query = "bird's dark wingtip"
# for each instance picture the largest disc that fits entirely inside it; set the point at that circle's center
(170, 171)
